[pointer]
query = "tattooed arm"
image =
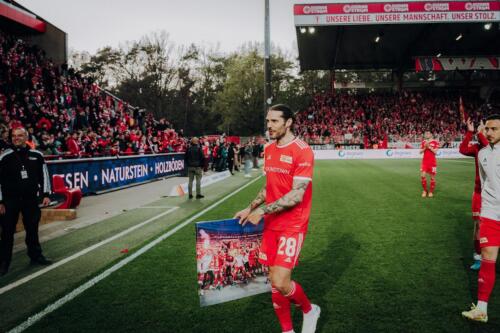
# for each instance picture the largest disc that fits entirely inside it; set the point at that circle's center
(290, 199)
(286, 202)
(259, 200)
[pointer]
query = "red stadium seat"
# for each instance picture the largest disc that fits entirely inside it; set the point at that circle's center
(72, 196)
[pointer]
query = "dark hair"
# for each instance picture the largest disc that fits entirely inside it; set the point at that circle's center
(285, 109)
(495, 116)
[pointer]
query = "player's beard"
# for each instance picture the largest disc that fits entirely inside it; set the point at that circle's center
(492, 140)
(278, 135)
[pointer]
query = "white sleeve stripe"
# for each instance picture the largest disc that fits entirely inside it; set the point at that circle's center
(46, 179)
(5, 153)
(299, 177)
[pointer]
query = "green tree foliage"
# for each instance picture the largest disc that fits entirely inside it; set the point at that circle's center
(200, 89)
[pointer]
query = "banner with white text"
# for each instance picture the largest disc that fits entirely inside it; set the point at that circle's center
(396, 12)
(369, 154)
(102, 174)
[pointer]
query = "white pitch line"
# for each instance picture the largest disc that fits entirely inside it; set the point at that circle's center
(81, 253)
(89, 284)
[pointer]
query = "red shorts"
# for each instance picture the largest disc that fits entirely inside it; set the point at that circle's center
(476, 206)
(430, 169)
(489, 232)
(281, 248)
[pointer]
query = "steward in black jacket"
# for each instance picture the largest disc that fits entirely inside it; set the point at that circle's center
(24, 183)
(194, 160)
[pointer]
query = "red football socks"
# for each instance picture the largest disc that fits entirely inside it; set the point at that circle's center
(281, 306)
(486, 280)
(424, 183)
(299, 298)
(433, 185)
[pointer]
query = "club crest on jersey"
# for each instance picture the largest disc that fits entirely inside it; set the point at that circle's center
(268, 157)
(286, 159)
(262, 256)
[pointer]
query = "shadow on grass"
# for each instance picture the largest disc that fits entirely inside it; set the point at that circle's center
(319, 273)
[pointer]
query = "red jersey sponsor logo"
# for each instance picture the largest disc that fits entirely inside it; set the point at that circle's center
(286, 159)
(277, 170)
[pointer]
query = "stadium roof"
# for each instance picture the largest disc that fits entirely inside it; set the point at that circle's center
(390, 35)
(15, 17)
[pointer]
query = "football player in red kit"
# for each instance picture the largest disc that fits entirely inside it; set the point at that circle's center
(287, 195)
(469, 149)
(429, 148)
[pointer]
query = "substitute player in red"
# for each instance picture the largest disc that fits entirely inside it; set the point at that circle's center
(429, 148)
(489, 172)
(287, 195)
(468, 149)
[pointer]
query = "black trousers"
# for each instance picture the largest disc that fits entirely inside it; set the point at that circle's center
(230, 165)
(31, 218)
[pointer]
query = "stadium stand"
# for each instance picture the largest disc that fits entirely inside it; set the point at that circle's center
(374, 119)
(68, 115)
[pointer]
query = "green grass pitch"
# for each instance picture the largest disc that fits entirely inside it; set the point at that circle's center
(377, 258)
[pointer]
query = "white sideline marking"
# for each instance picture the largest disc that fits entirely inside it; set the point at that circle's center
(81, 253)
(89, 284)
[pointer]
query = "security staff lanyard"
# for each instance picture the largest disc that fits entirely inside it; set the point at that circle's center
(24, 172)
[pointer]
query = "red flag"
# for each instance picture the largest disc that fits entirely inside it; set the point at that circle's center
(461, 109)
(418, 65)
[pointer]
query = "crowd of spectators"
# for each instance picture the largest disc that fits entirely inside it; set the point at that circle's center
(228, 153)
(371, 119)
(69, 115)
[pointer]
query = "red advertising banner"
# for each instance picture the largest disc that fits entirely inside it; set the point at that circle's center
(396, 12)
(456, 63)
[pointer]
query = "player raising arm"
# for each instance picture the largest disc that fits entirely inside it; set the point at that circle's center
(468, 149)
